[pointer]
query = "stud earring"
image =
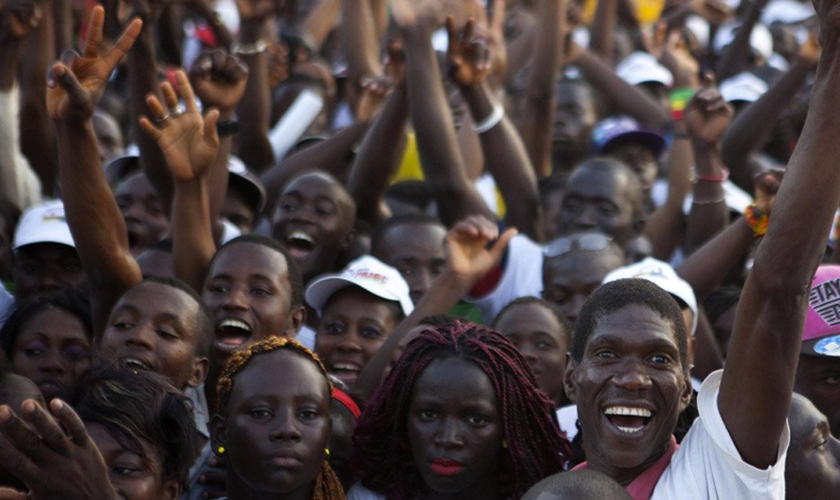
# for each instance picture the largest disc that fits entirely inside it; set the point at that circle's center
(504, 444)
(221, 450)
(327, 451)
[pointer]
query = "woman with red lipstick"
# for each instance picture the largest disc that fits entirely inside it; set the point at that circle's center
(273, 424)
(459, 416)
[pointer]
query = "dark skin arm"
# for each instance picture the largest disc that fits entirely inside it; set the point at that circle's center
(736, 56)
(254, 146)
(603, 26)
(443, 166)
(92, 213)
(504, 153)
(37, 139)
(623, 97)
(320, 21)
(190, 144)
(751, 127)
(380, 153)
(707, 117)
(219, 80)
(758, 379)
(539, 99)
(359, 29)
(706, 267)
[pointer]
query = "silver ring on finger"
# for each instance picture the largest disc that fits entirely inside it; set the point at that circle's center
(162, 118)
(177, 111)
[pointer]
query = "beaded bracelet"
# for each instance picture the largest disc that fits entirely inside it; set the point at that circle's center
(756, 220)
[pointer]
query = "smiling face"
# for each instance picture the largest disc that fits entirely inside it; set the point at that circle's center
(155, 327)
(275, 433)
(134, 476)
(354, 324)
(249, 293)
(818, 379)
(141, 208)
(812, 469)
(630, 387)
(52, 349)
(455, 430)
(542, 340)
(314, 221)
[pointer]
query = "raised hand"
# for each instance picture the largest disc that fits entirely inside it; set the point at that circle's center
(189, 141)
(52, 462)
(374, 93)
(707, 114)
(394, 63)
(219, 80)
(18, 18)
(671, 50)
(468, 55)
(467, 253)
(76, 84)
(765, 187)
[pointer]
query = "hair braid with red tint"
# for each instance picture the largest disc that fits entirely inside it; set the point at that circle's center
(535, 446)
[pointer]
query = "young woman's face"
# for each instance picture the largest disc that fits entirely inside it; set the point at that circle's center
(52, 349)
(455, 430)
(276, 425)
(135, 477)
(354, 324)
(542, 340)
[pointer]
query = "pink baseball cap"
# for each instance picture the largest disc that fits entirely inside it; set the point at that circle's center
(821, 335)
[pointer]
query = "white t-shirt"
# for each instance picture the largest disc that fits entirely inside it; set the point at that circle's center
(359, 492)
(708, 466)
(521, 277)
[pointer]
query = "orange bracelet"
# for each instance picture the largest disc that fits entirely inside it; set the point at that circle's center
(756, 220)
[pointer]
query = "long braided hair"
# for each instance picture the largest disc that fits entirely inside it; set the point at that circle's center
(327, 484)
(535, 447)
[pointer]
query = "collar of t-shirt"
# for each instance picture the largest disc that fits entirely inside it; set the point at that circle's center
(642, 487)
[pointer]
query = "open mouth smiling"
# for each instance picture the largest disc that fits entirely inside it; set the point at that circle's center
(232, 334)
(628, 419)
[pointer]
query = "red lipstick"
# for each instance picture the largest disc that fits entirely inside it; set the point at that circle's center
(446, 467)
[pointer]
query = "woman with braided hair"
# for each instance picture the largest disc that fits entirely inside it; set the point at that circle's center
(273, 424)
(459, 416)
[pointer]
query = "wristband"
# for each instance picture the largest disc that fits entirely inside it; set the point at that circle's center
(724, 174)
(250, 49)
(227, 128)
(491, 121)
(756, 220)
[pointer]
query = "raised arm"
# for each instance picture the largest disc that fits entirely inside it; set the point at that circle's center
(539, 99)
(504, 153)
(735, 58)
(189, 143)
(382, 148)
(95, 220)
(440, 158)
(753, 125)
(763, 352)
(707, 116)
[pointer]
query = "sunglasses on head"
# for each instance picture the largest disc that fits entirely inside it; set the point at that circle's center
(590, 242)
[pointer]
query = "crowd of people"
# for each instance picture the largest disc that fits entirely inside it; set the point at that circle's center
(419, 249)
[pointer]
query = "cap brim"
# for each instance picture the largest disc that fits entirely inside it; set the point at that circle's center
(655, 142)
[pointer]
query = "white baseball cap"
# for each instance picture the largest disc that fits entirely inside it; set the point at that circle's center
(43, 223)
(367, 272)
(662, 275)
(761, 40)
(787, 12)
(743, 87)
(641, 67)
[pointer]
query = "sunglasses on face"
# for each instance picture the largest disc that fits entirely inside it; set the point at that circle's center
(590, 242)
